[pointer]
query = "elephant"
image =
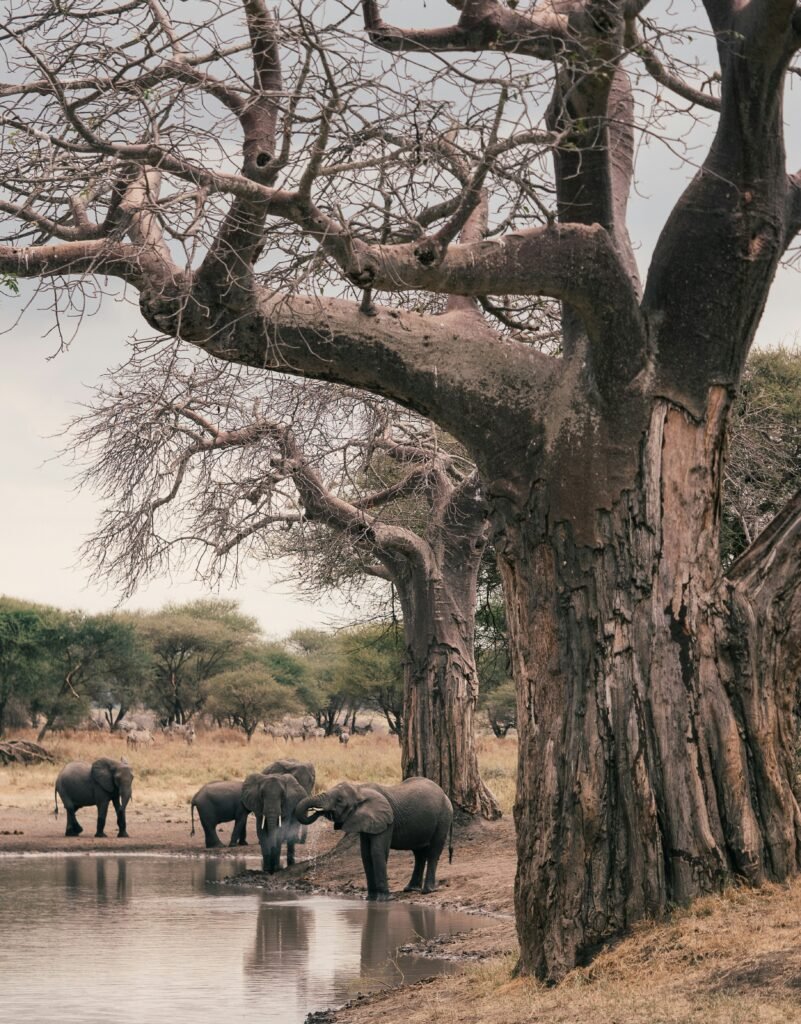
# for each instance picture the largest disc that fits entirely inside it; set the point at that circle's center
(302, 770)
(273, 799)
(415, 815)
(216, 802)
(104, 781)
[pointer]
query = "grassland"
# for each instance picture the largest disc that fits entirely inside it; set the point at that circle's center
(169, 772)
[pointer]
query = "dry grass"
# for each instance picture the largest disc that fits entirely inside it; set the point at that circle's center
(170, 772)
(734, 959)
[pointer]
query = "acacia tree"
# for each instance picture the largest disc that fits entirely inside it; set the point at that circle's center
(374, 656)
(21, 650)
(654, 691)
(189, 644)
(248, 696)
(220, 469)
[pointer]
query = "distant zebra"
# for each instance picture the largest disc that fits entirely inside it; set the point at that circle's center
(187, 732)
(139, 738)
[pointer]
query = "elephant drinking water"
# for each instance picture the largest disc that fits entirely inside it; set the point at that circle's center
(100, 783)
(273, 798)
(416, 816)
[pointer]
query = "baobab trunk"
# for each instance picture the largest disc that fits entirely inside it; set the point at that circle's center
(440, 675)
(654, 715)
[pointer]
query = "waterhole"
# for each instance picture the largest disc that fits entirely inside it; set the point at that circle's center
(154, 939)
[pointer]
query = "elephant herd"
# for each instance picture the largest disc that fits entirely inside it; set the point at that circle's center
(415, 815)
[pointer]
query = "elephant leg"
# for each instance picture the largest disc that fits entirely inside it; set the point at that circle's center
(416, 881)
(367, 861)
(290, 854)
(209, 824)
(122, 832)
(430, 883)
(375, 851)
(102, 811)
(73, 828)
(239, 831)
(270, 850)
(271, 859)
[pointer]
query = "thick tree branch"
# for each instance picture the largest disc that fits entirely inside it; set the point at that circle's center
(572, 262)
(483, 25)
(56, 229)
(322, 505)
(102, 256)
(779, 544)
(456, 374)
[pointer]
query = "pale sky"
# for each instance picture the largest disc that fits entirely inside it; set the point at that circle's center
(43, 521)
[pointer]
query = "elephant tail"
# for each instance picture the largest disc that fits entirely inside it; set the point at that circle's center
(55, 798)
(193, 819)
(450, 844)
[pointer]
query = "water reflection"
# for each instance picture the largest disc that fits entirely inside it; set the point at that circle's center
(107, 878)
(187, 948)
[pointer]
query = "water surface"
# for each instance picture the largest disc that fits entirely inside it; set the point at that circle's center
(124, 939)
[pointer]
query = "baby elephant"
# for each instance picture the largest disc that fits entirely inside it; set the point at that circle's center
(216, 802)
(104, 781)
(416, 816)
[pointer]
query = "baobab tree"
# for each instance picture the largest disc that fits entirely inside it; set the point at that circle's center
(654, 691)
(203, 467)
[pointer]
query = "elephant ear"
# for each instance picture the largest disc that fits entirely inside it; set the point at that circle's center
(372, 814)
(251, 791)
(293, 794)
(102, 772)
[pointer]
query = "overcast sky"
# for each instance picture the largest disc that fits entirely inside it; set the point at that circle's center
(43, 520)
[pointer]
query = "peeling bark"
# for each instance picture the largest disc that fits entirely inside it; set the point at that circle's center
(656, 750)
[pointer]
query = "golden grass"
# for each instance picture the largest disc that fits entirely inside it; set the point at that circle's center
(732, 959)
(168, 773)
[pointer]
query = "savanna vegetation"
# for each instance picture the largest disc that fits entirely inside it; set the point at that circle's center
(199, 662)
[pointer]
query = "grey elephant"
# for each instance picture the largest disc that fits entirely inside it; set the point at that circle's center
(273, 798)
(103, 782)
(217, 802)
(416, 816)
(302, 770)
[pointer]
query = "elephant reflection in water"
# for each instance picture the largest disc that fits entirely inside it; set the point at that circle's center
(281, 949)
(282, 935)
(387, 927)
(106, 876)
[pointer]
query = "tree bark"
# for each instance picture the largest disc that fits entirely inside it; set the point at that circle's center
(438, 598)
(656, 751)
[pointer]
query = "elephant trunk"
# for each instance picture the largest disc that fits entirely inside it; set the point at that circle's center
(268, 830)
(310, 809)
